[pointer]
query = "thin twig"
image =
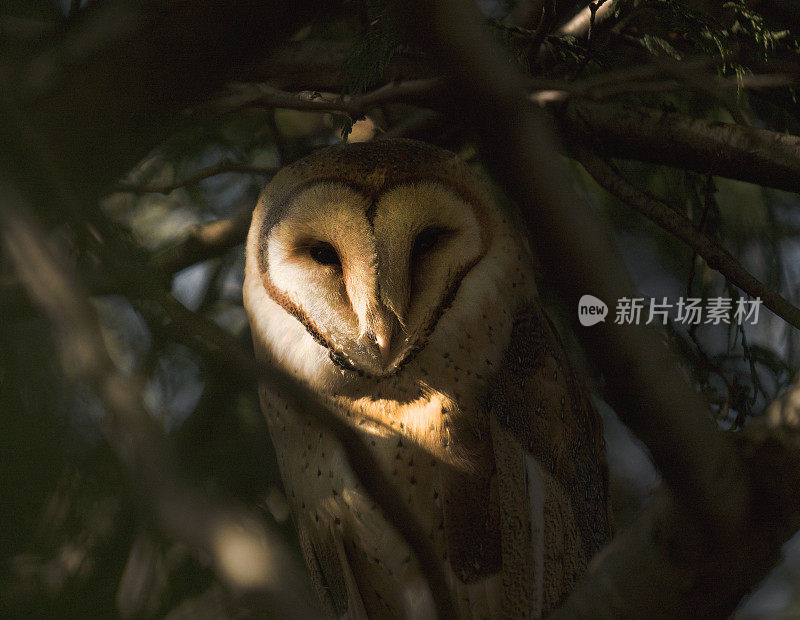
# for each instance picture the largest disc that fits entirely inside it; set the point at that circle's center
(222, 168)
(262, 95)
(583, 23)
(593, 7)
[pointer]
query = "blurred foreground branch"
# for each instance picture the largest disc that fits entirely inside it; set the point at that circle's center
(218, 345)
(122, 73)
(722, 496)
(143, 450)
(249, 558)
(644, 384)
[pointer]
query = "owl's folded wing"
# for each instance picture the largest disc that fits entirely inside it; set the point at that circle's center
(552, 474)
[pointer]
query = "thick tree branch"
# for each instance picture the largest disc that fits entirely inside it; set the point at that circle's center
(674, 562)
(679, 225)
(734, 151)
(744, 153)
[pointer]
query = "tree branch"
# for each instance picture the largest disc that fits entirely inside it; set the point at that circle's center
(744, 153)
(262, 95)
(218, 345)
(591, 15)
(664, 138)
(671, 220)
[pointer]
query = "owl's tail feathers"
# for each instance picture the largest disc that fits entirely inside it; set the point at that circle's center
(328, 584)
(355, 604)
(331, 575)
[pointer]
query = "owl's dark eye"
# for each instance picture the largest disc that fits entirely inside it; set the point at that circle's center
(325, 254)
(426, 240)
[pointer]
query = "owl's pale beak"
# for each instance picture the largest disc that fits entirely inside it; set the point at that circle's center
(383, 330)
(384, 342)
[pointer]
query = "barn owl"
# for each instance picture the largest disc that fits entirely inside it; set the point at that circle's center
(385, 277)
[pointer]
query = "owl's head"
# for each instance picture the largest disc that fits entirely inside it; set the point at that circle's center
(366, 245)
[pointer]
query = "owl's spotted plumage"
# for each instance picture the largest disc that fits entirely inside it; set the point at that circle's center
(384, 276)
